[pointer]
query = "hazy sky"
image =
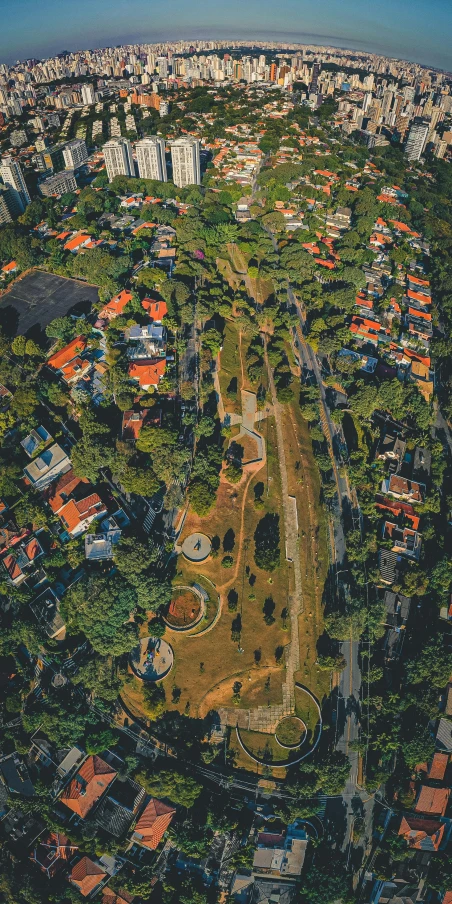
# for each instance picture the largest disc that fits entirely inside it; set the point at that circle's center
(419, 30)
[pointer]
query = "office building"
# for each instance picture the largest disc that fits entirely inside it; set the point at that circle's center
(186, 162)
(75, 153)
(53, 158)
(88, 94)
(118, 158)
(417, 138)
(11, 173)
(151, 158)
(9, 209)
(58, 184)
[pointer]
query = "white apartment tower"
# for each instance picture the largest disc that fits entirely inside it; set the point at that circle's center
(118, 158)
(186, 162)
(87, 94)
(12, 176)
(75, 153)
(416, 140)
(151, 158)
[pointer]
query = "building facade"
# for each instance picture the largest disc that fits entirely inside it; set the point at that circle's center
(118, 158)
(151, 158)
(11, 173)
(185, 158)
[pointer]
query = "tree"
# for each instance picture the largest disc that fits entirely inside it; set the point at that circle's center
(267, 552)
(179, 788)
(101, 609)
(202, 496)
(18, 346)
(155, 699)
(419, 749)
(433, 664)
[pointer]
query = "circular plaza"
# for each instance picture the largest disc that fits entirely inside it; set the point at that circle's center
(152, 659)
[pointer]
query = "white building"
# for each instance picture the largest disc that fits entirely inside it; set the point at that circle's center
(151, 158)
(75, 154)
(162, 64)
(417, 138)
(88, 94)
(118, 158)
(186, 162)
(12, 176)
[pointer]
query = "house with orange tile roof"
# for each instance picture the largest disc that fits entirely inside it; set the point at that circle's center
(423, 834)
(157, 310)
(10, 268)
(133, 421)
(79, 241)
(152, 824)
(88, 785)
(65, 356)
(52, 853)
(24, 557)
(433, 801)
(116, 897)
(76, 517)
(113, 308)
(147, 373)
(60, 491)
(87, 876)
(438, 767)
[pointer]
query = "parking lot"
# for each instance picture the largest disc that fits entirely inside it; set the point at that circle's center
(39, 297)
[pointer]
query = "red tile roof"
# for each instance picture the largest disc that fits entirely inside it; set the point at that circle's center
(157, 310)
(432, 800)
(59, 492)
(148, 373)
(74, 513)
(52, 851)
(86, 875)
(422, 834)
(76, 242)
(112, 897)
(438, 766)
(153, 823)
(115, 306)
(88, 785)
(66, 354)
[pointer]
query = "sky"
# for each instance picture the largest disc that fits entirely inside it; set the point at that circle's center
(418, 30)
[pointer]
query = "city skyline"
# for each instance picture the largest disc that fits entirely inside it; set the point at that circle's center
(417, 32)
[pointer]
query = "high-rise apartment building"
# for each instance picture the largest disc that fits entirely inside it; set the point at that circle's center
(12, 176)
(185, 158)
(417, 137)
(151, 158)
(88, 94)
(9, 208)
(75, 153)
(58, 184)
(118, 158)
(162, 64)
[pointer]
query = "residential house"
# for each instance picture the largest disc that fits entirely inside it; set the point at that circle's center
(397, 610)
(401, 488)
(433, 801)
(52, 853)
(405, 541)
(152, 824)
(46, 610)
(76, 517)
(67, 362)
(119, 807)
(438, 767)
(147, 341)
(423, 834)
(147, 373)
(156, 310)
(23, 558)
(90, 783)
(113, 308)
(444, 735)
(35, 440)
(133, 421)
(87, 876)
(63, 489)
(14, 775)
(387, 563)
(100, 547)
(47, 467)
(116, 897)
(391, 448)
(75, 244)
(281, 854)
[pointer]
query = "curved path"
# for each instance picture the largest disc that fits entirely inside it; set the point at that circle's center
(290, 762)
